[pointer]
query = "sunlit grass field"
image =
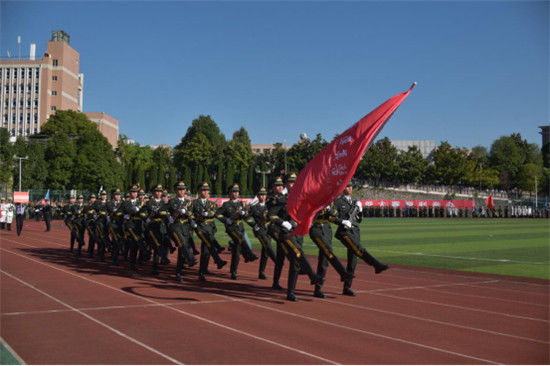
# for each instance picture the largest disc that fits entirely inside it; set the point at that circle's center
(516, 247)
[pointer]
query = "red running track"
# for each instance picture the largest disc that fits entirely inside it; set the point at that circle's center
(59, 309)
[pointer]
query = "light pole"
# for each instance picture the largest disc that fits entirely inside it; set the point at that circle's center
(20, 158)
(284, 148)
(263, 173)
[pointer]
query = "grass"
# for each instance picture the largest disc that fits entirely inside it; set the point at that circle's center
(515, 247)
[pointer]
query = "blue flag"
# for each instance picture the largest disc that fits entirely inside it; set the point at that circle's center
(47, 197)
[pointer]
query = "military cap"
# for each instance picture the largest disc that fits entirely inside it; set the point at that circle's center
(278, 181)
(141, 192)
(262, 191)
(116, 191)
(80, 197)
(291, 178)
(2, 199)
(93, 195)
(180, 185)
(205, 186)
(134, 188)
(164, 193)
(235, 188)
(102, 193)
(158, 188)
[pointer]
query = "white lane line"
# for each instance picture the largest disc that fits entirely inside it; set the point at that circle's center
(116, 331)
(421, 287)
(115, 307)
(462, 307)
(14, 354)
(436, 321)
(178, 310)
(488, 298)
(399, 340)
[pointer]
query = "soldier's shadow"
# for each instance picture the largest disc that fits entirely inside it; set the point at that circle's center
(161, 286)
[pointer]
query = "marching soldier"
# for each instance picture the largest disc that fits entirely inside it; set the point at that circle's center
(68, 219)
(180, 229)
(191, 239)
(321, 234)
(348, 217)
(257, 219)
(133, 226)
(167, 243)
(157, 212)
(3, 213)
(78, 222)
(102, 228)
(291, 247)
(115, 223)
(231, 213)
(203, 211)
(90, 217)
(47, 211)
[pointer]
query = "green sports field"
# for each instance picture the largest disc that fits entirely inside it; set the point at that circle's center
(516, 247)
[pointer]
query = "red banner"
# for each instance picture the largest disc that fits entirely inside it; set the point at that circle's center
(22, 197)
(465, 204)
(324, 178)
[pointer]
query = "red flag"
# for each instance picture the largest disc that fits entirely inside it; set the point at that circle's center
(489, 202)
(324, 178)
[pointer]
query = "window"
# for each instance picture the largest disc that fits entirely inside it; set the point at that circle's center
(36, 103)
(35, 130)
(29, 73)
(55, 62)
(8, 73)
(13, 118)
(20, 118)
(21, 88)
(28, 131)
(28, 118)
(35, 118)
(28, 103)
(28, 88)
(21, 103)
(54, 92)
(5, 118)
(7, 88)
(15, 73)
(15, 88)
(37, 72)
(52, 108)
(14, 102)
(36, 88)
(54, 78)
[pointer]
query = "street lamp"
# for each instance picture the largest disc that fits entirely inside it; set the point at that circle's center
(263, 173)
(20, 158)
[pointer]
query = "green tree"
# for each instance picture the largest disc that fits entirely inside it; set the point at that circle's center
(380, 162)
(6, 160)
(218, 185)
(450, 165)
(412, 166)
(527, 175)
(243, 179)
(304, 151)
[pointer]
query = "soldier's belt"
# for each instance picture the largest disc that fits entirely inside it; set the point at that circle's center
(157, 220)
(183, 220)
(103, 213)
(321, 222)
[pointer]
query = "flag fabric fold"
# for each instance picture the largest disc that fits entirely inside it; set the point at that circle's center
(489, 202)
(324, 178)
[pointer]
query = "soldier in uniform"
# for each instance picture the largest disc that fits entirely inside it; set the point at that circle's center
(348, 217)
(102, 228)
(78, 222)
(231, 213)
(134, 227)
(191, 239)
(321, 234)
(167, 243)
(47, 211)
(204, 211)
(115, 223)
(68, 216)
(257, 219)
(289, 246)
(180, 229)
(157, 212)
(90, 217)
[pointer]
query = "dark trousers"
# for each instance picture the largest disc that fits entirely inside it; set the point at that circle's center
(209, 246)
(321, 235)
(239, 247)
(156, 239)
(181, 237)
(352, 241)
(19, 222)
(47, 220)
(267, 250)
(79, 227)
(135, 243)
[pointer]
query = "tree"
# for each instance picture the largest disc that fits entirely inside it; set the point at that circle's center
(450, 165)
(218, 185)
(34, 172)
(380, 162)
(527, 175)
(412, 166)
(6, 159)
(303, 152)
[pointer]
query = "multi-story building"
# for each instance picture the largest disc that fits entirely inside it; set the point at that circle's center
(426, 147)
(31, 90)
(106, 124)
(261, 148)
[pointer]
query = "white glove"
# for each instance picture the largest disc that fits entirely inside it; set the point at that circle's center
(126, 217)
(95, 217)
(171, 220)
(136, 209)
(193, 224)
(346, 223)
(108, 218)
(241, 212)
(228, 221)
(287, 225)
(256, 228)
(182, 211)
(148, 220)
(206, 213)
(359, 205)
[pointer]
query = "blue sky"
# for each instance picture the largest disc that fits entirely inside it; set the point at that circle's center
(282, 68)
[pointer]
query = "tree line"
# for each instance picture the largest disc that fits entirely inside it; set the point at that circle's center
(70, 153)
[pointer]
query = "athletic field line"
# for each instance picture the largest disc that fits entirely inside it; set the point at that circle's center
(114, 307)
(422, 287)
(116, 331)
(13, 353)
(179, 311)
(398, 340)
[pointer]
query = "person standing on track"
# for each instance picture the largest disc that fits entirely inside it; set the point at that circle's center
(47, 212)
(204, 211)
(321, 234)
(157, 212)
(90, 217)
(134, 227)
(101, 225)
(180, 229)
(115, 222)
(231, 213)
(68, 216)
(78, 222)
(348, 216)
(19, 216)
(257, 219)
